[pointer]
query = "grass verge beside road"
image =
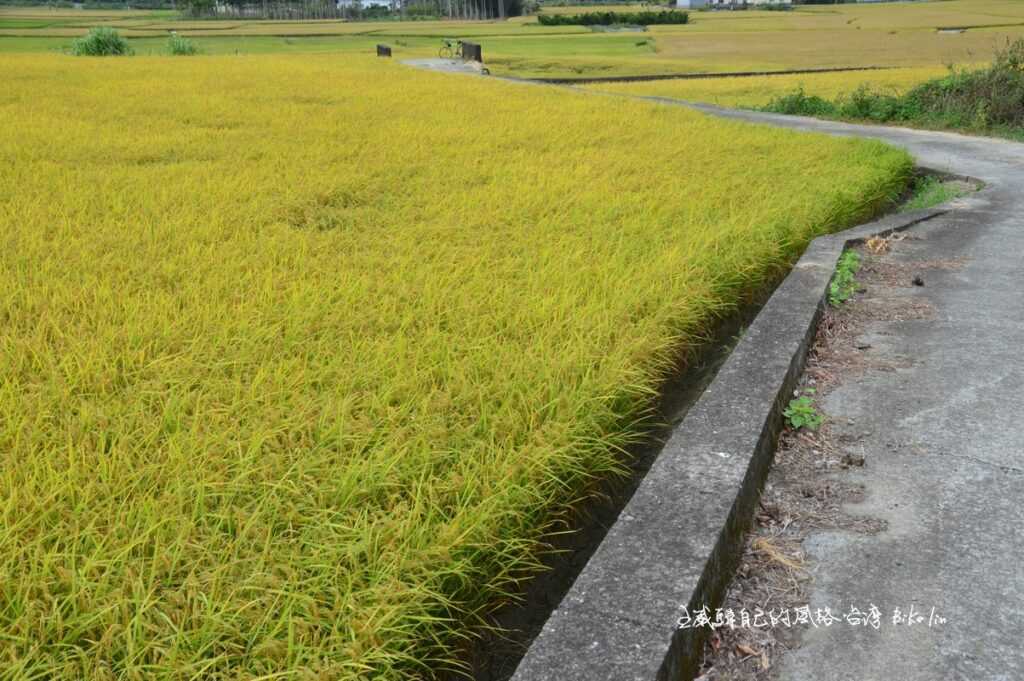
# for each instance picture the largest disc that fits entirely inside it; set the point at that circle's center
(984, 100)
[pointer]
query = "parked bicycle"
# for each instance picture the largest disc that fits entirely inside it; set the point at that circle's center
(450, 49)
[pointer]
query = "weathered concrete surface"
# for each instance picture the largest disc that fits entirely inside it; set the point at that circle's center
(955, 535)
(473, 68)
(942, 444)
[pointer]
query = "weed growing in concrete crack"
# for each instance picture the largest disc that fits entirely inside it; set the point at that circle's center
(801, 412)
(844, 283)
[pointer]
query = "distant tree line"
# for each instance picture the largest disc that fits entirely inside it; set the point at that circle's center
(91, 4)
(271, 9)
(353, 9)
(467, 9)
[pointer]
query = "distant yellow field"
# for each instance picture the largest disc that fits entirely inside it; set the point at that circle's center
(300, 354)
(759, 90)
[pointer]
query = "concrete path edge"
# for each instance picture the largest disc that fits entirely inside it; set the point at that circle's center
(679, 539)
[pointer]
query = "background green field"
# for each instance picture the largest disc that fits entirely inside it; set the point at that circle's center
(899, 34)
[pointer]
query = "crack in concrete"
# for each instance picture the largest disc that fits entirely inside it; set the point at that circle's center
(974, 459)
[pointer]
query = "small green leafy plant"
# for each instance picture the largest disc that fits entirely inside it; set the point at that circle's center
(801, 412)
(101, 41)
(181, 46)
(799, 103)
(844, 284)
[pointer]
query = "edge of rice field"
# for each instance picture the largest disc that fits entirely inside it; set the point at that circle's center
(730, 427)
(701, 491)
(578, 536)
(529, 638)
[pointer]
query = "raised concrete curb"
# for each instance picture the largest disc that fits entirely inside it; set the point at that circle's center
(678, 541)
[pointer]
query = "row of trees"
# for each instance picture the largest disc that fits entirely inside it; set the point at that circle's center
(466, 9)
(354, 9)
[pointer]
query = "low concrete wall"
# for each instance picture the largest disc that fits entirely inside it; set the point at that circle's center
(678, 541)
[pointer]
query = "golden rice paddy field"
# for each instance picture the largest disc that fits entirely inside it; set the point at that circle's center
(904, 35)
(757, 91)
(300, 355)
